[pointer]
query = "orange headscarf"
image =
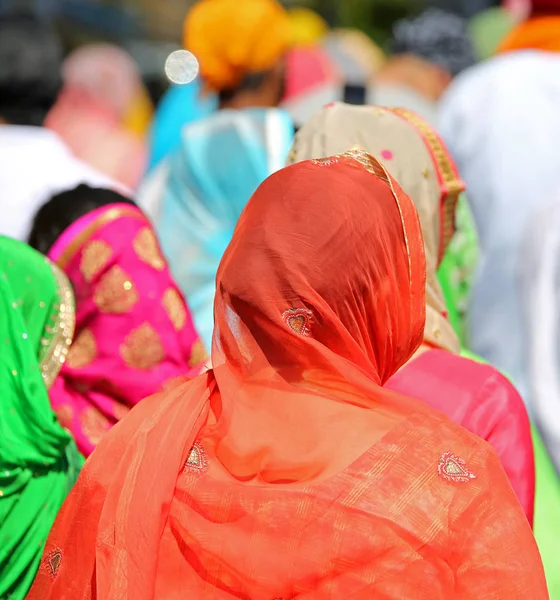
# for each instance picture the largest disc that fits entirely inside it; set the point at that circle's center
(233, 38)
(537, 33)
(287, 471)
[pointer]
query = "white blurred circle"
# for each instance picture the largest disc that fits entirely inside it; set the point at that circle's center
(181, 67)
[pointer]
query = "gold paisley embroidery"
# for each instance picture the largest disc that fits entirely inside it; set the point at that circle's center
(94, 425)
(94, 257)
(197, 462)
(175, 308)
(115, 293)
(53, 562)
(146, 247)
(82, 351)
(198, 354)
(142, 348)
(453, 468)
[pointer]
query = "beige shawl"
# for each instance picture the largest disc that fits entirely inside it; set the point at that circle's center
(414, 154)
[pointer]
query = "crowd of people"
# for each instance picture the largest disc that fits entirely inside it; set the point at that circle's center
(292, 332)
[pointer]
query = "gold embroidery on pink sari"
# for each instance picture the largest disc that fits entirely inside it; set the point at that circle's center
(175, 308)
(83, 350)
(120, 410)
(146, 247)
(115, 293)
(65, 414)
(94, 424)
(95, 257)
(198, 354)
(142, 348)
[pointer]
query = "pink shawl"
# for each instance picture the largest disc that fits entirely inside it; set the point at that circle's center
(133, 329)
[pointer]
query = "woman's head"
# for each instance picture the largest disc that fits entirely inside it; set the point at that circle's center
(240, 47)
(414, 154)
(108, 74)
(133, 328)
(325, 268)
(63, 209)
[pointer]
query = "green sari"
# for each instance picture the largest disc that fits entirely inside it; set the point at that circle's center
(457, 269)
(39, 462)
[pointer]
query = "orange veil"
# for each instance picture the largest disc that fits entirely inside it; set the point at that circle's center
(258, 479)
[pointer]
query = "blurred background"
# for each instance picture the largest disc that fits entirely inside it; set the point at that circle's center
(150, 29)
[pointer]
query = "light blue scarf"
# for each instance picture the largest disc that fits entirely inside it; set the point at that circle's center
(181, 105)
(222, 160)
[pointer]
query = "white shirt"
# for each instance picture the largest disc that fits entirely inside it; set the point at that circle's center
(501, 121)
(35, 164)
(539, 276)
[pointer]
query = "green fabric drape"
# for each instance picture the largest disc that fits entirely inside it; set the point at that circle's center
(38, 459)
(457, 269)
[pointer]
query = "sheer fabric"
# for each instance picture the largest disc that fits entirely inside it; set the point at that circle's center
(414, 153)
(288, 471)
(484, 402)
(133, 329)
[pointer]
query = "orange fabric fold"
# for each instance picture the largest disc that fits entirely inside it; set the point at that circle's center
(538, 33)
(288, 471)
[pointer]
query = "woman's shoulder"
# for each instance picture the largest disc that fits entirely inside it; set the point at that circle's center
(470, 372)
(457, 461)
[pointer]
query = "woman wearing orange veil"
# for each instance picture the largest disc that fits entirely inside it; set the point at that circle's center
(288, 471)
(474, 396)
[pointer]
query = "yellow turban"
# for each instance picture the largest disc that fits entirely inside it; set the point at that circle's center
(234, 38)
(308, 28)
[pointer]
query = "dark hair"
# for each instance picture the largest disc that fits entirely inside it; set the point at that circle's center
(30, 68)
(439, 37)
(65, 208)
(249, 83)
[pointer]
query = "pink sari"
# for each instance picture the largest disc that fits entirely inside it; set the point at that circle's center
(133, 329)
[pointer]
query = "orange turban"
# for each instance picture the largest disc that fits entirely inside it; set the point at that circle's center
(233, 38)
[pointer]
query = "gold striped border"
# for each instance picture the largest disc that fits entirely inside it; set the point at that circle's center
(107, 217)
(446, 170)
(64, 324)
